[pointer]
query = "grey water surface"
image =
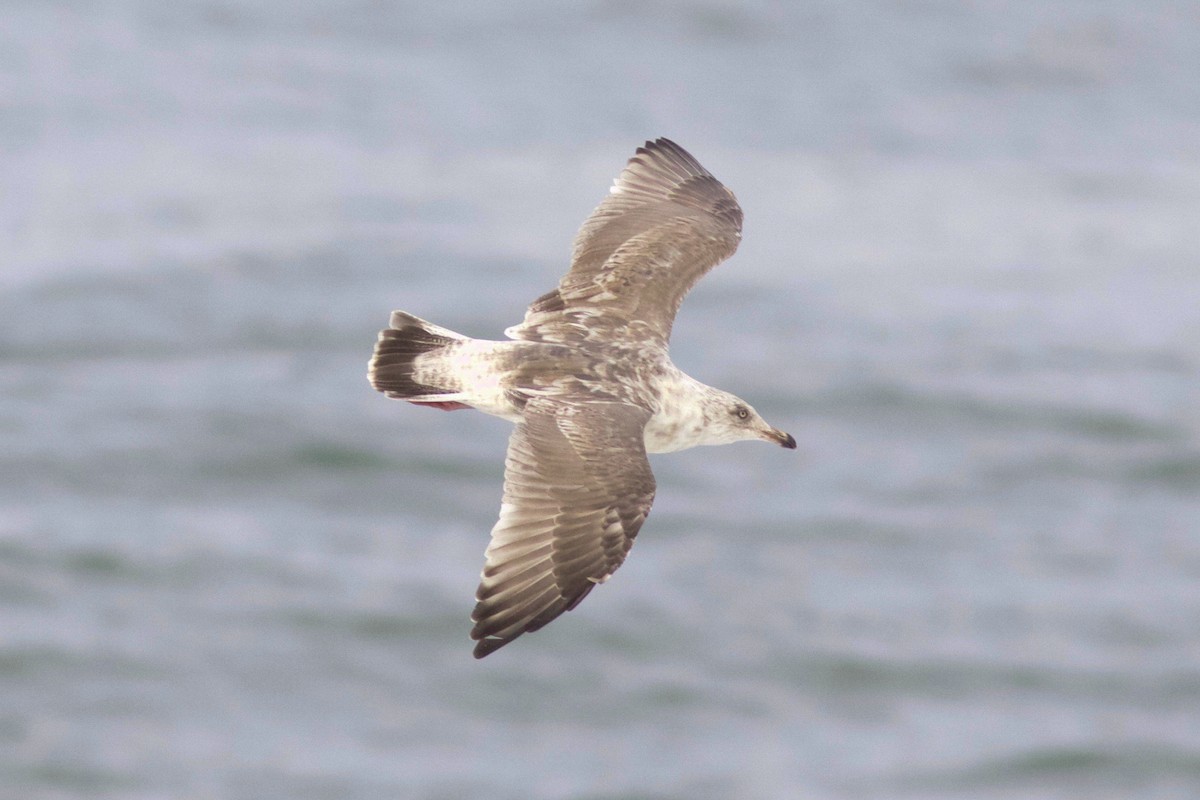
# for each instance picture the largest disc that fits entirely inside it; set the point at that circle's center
(969, 286)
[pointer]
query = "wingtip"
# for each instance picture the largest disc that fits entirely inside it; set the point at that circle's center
(661, 143)
(488, 645)
(666, 154)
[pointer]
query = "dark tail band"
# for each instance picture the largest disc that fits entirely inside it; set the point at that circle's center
(392, 366)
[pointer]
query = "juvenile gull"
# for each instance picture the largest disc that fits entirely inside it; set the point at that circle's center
(589, 383)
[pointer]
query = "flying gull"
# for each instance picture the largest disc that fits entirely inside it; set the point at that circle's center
(589, 383)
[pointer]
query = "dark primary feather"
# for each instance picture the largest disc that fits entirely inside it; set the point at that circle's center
(577, 487)
(666, 223)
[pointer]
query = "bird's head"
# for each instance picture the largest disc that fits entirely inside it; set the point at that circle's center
(729, 418)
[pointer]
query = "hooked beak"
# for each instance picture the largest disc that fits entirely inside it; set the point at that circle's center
(780, 438)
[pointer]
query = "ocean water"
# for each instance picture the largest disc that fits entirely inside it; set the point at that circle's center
(969, 286)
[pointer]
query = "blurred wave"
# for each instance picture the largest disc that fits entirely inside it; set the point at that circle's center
(229, 569)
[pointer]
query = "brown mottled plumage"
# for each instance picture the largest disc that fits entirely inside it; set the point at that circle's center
(591, 388)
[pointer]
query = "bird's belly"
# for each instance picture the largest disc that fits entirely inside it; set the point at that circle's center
(496, 403)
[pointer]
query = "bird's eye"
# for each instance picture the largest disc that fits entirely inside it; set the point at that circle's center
(742, 412)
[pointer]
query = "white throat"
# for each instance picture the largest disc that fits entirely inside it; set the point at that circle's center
(680, 421)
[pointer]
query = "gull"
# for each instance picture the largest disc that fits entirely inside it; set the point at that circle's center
(587, 379)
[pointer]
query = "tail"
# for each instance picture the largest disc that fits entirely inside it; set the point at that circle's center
(394, 366)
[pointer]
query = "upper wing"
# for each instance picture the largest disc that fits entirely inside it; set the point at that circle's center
(577, 487)
(665, 223)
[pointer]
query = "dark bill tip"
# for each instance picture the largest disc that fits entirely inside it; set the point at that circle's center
(783, 439)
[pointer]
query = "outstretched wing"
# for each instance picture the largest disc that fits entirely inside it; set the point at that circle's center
(577, 487)
(665, 223)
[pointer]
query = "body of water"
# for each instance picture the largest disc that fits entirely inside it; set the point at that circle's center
(969, 286)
